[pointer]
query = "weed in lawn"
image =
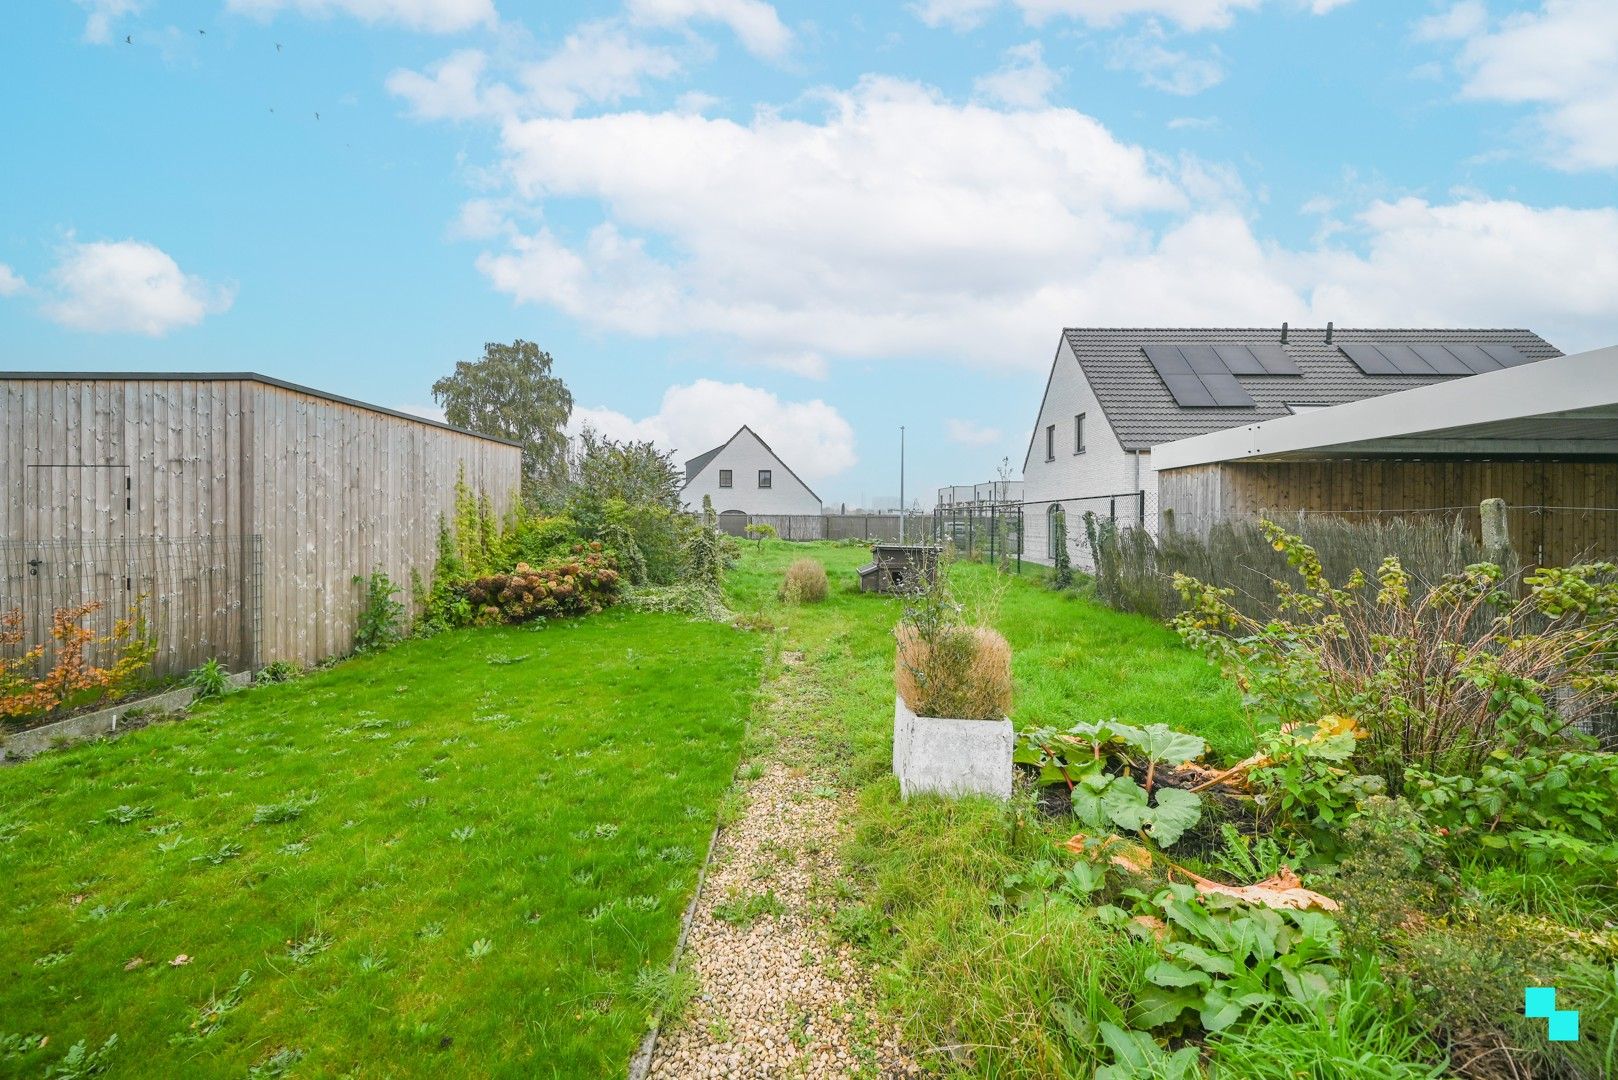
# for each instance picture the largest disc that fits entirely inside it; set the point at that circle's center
(276, 1064)
(210, 1016)
(220, 855)
(126, 815)
(81, 1062)
(743, 910)
(373, 960)
(51, 959)
(307, 948)
(479, 949)
(665, 993)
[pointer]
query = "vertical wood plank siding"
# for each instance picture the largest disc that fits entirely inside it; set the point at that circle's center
(334, 489)
(1581, 496)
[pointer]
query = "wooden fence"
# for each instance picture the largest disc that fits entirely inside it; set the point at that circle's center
(202, 598)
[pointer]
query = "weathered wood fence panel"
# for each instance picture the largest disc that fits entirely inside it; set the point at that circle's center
(334, 487)
(1558, 511)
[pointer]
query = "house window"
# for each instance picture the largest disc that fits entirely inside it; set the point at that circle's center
(724, 478)
(764, 478)
(1050, 443)
(1078, 434)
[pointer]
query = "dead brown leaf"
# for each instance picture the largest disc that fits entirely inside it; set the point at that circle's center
(1284, 890)
(180, 961)
(134, 962)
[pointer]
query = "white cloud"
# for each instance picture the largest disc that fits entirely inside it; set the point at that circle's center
(1562, 58)
(1024, 82)
(808, 365)
(1457, 22)
(1194, 123)
(433, 16)
(900, 224)
(126, 286)
(596, 63)
(969, 433)
(101, 14)
(956, 14)
(754, 22)
(11, 282)
(810, 436)
(1162, 68)
(1186, 14)
(1475, 262)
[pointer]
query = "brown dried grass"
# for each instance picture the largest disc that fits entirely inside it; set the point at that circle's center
(961, 672)
(805, 582)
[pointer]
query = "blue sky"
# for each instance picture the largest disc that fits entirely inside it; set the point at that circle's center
(824, 220)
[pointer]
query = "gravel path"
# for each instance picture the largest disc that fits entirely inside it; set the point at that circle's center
(778, 998)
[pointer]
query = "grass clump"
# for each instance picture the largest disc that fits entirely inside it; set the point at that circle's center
(805, 582)
(961, 672)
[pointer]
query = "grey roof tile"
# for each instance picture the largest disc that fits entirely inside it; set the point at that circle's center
(1143, 413)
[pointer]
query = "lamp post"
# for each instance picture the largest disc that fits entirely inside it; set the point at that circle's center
(901, 483)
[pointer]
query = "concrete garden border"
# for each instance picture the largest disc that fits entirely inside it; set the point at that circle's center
(22, 745)
(950, 757)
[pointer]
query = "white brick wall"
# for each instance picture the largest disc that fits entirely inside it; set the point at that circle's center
(744, 456)
(1104, 468)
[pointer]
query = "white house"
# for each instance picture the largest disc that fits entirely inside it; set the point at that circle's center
(743, 476)
(1113, 395)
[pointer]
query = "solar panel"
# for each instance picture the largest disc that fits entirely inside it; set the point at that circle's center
(1474, 358)
(1196, 376)
(1507, 355)
(1239, 360)
(1177, 375)
(1369, 358)
(1440, 360)
(1207, 365)
(1274, 360)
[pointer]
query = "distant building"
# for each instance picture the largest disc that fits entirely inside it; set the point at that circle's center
(992, 493)
(743, 476)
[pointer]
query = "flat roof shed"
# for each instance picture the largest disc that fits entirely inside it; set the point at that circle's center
(241, 506)
(1542, 436)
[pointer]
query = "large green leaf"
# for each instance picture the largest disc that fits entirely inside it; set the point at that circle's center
(1125, 802)
(1210, 962)
(1155, 1007)
(1176, 811)
(1159, 742)
(1164, 973)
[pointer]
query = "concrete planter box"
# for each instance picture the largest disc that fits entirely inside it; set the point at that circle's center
(950, 757)
(21, 745)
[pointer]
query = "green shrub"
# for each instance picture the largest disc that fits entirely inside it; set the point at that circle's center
(581, 586)
(805, 582)
(1436, 679)
(209, 680)
(380, 622)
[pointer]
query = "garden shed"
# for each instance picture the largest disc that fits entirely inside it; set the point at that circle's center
(240, 506)
(1541, 436)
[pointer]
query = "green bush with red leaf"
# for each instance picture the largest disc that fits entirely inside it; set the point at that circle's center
(580, 585)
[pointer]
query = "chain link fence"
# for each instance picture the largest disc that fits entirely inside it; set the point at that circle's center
(202, 598)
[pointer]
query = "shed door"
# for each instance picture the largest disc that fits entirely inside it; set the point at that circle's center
(75, 547)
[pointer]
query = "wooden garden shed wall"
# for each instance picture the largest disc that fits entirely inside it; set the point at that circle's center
(333, 487)
(1558, 510)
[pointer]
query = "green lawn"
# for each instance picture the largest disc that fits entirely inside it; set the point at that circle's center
(449, 859)
(1072, 658)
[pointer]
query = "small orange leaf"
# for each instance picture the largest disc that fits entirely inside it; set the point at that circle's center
(1284, 890)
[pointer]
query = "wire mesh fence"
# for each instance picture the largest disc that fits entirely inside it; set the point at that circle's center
(991, 532)
(202, 598)
(1051, 522)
